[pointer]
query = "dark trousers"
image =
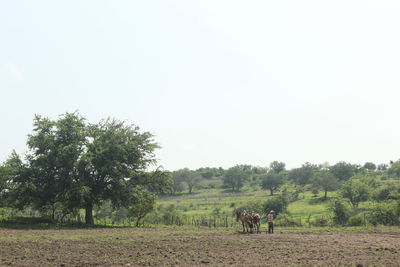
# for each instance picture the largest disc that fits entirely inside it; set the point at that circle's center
(270, 227)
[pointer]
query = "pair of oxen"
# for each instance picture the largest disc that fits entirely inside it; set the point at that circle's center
(250, 221)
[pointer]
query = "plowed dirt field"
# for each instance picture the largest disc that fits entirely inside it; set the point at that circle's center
(189, 247)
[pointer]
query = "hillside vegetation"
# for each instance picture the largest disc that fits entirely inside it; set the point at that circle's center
(319, 195)
(75, 171)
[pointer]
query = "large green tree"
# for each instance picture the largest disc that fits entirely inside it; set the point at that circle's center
(72, 164)
(50, 173)
(116, 157)
(15, 191)
(4, 183)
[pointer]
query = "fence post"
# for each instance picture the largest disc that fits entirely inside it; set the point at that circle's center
(365, 221)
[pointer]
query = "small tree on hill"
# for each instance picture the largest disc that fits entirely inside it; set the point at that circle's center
(395, 169)
(236, 176)
(178, 182)
(277, 166)
(355, 192)
(343, 170)
(326, 181)
(272, 181)
(369, 166)
(190, 178)
(303, 175)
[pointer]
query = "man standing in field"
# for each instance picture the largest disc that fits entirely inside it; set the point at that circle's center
(270, 220)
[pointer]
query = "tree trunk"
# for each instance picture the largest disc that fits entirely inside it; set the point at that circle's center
(89, 213)
(326, 193)
(53, 213)
(272, 192)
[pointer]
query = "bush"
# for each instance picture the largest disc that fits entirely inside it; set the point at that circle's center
(291, 195)
(386, 213)
(277, 204)
(341, 211)
(356, 220)
(167, 215)
(387, 192)
(382, 193)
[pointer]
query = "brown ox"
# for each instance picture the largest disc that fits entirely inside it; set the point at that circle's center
(246, 220)
(255, 221)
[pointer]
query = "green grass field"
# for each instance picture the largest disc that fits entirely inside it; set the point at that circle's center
(218, 201)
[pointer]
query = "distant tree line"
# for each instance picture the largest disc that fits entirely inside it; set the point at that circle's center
(322, 176)
(355, 183)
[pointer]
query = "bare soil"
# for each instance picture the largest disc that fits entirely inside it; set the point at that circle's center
(188, 247)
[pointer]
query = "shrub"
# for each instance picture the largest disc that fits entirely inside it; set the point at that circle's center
(356, 220)
(386, 192)
(341, 211)
(167, 215)
(291, 195)
(277, 204)
(386, 213)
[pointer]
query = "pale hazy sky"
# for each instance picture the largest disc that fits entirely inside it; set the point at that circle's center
(218, 82)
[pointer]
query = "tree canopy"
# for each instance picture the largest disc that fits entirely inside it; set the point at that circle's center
(236, 176)
(355, 191)
(272, 181)
(343, 170)
(326, 181)
(186, 176)
(73, 164)
(395, 169)
(304, 174)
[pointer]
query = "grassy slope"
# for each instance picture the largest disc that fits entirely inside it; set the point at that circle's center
(205, 202)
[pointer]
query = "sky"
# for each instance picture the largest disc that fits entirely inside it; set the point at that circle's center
(218, 83)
